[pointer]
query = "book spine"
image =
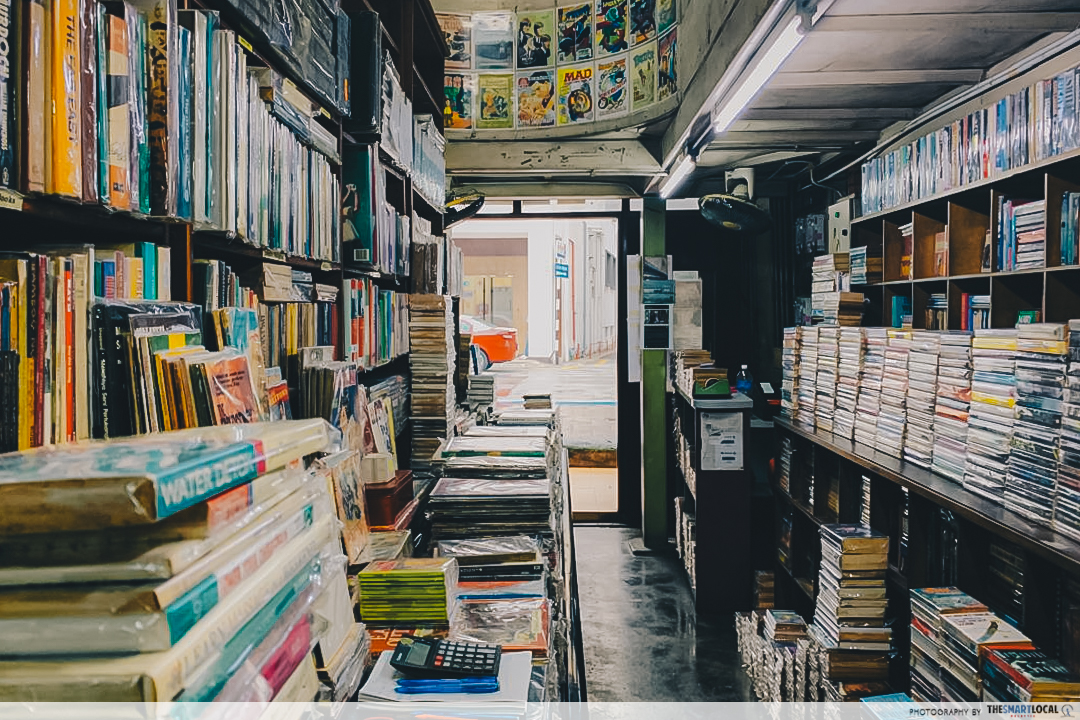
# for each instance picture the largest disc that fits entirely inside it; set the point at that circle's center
(32, 105)
(191, 607)
(9, 96)
(164, 273)
(162, 72)
(68, 367)
(147, 252)
(185, 105)
(101, 73)
(186, 485)
(88, 100)
(66, 176)
(119, 113)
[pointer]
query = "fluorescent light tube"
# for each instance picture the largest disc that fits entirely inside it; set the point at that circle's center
(764, 68)
(677, 176)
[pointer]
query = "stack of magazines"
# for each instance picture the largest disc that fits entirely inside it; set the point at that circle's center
(929, 607)
(990, 423)
(952, 405)
(892, 417)
(869, 402)
(921, 396)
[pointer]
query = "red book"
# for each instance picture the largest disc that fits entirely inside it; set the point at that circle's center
(965, 311)
(69, 328)
(288, 656)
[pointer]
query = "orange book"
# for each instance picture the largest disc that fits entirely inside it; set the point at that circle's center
(66, 176)
(232, 393)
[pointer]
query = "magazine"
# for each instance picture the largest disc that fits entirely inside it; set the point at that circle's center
(576, 95)
(457, 31)
(612, 96)
(496, 101)
(534, 44)
(667, 73)
(611, 27)
(536, 99)
(493, 41)
(643, 75)
(575, 33)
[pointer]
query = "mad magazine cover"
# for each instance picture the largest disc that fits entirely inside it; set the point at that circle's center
(576, 95)
(536, 99)
(496, 101)
(575, 33)
(611, 23)
(612, 96)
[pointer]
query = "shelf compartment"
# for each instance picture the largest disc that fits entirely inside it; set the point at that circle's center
(893, 250)
(957, 288)
(891, 292)
(1011, 293)
(920, 302)
(1055, 188)
(924, 259)
(1062, 295)
(967, 239)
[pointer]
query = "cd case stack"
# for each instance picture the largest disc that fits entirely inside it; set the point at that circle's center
(869, 403)
(892, 416)
(921, 396)
(431, 359)
(808, 378)
(967, 637)
(849, 620)
(828, 355)
(848, 376)
(952, 405)
(1067, 502)
(990, 423)
(409, 591)
(929, 607)
(791, 354)
(1041, 357)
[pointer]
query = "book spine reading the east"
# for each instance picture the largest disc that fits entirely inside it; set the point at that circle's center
(65, 49)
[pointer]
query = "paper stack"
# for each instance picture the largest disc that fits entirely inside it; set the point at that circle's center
(789, 391)
(952, 405)
(828, 357)
(849, 374)
(869, 402)
(808, 367)
(990, 423)
(921, 397)
(892, 417)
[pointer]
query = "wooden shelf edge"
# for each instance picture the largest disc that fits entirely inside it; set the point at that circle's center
(1051, 545)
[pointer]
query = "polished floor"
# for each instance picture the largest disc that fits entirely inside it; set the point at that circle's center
(642, 638)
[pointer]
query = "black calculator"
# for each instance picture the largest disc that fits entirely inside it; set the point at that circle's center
(425, 657)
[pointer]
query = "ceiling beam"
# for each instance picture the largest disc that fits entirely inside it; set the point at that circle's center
(993, 22)
(962, 76)
(834, 124)
(589, 158)
(835, 138)
(852, 113)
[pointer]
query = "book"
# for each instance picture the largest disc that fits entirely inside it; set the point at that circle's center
(64, 173)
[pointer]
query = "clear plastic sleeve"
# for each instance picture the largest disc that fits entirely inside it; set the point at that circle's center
(489, 550)
(495, 446)
(520, 624)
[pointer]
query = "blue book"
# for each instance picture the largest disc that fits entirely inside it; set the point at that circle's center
(185, 137)
(148, 252)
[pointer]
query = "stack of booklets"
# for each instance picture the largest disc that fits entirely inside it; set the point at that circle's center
(937, 312)
(495, 559)
(929, 607)
(1067, 501)
(866, 265)
(432, 361)
(517, 624)
(892, 417)
(828, 275)
(869, 402)
(828, 357)
(1027, 676)
(791, 360)
(204, 550)
(952, 405)
(964, 641)
(843, 308)
(686, 361)
(1021, 241)
(784, 626)
(1070, 228)
(849, 375)
(476, 507)
(1041, 364)
(921, 397)
(990, 422)
(808, 367)
(974, 311)
(849, 619)
(907, 236)
(409, 591)
(481, 390)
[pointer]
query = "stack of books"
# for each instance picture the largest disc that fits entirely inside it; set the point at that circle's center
(937, 312)
(828, 357)
(494, 559)
(848, 373)
(410, 591)
(842, 308)
(1022, 234)
(866, 265)
(478, 507)
(907, 236)
(1041, 362)
(967, 638)
(974, 311)
(892, 418)
(791, 360)
(1070, 228)
(1026, 676)
(828, 276)
(765, 591)
(537, 401)
(481, 390)
(784, 626)
(953, 402)
(849, 620)
(1067, 502)
(808, 366)
(786, 452)
(432, 361)
(990, 422)
(929, 607)
(687, 360)
(921, 397)
(869, 403)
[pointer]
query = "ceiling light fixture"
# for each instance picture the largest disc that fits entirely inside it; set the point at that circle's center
(678, 175)
(764, 68)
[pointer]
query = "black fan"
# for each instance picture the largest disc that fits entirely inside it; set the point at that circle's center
(734, 211)
(461, 205)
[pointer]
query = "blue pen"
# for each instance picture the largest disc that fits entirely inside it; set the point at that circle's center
(470, 686)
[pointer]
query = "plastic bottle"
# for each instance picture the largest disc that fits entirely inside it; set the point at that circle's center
(744, 381)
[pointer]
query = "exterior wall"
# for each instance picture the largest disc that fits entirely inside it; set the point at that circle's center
(515, 268)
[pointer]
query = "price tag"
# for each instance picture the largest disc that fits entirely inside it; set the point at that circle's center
(245, 44)
(10, 199)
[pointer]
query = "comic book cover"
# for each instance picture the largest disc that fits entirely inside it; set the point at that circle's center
(610, 27)
(576, 95)
(536, 99)
(534, 44)
(612, 96)
(459, 89)
(493, 41)
(496, 101)
(667, 72)
(457, 30)
(575, 33)
(643, 76)
(642, 21)
(665, 16)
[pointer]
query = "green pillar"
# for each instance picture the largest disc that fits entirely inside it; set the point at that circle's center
(654, 519)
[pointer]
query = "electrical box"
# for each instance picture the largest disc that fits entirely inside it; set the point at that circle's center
(839, 224)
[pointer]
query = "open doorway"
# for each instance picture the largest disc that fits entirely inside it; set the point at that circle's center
(540, 298)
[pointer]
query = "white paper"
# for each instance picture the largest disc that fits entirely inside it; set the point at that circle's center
(515, 669)
(721, 441)
(767, 388)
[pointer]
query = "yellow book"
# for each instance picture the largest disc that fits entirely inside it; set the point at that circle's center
(66, 100)
(133, 278)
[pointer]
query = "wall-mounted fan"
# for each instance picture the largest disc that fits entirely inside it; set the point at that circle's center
(735, 210)
(462, 204)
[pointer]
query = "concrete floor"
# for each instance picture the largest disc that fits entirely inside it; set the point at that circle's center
(643, 640)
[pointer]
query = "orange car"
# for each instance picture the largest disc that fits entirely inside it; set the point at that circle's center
(490, 344)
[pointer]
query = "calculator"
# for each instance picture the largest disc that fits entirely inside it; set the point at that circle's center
(429, 657)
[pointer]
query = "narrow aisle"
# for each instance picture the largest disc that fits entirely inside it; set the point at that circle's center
(642, 639)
